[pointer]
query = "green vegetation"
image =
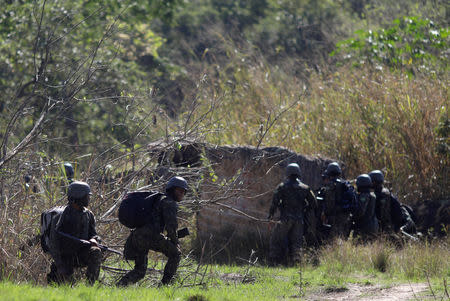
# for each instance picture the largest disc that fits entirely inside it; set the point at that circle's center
(411, 43)
(93, 82)
(340, 265)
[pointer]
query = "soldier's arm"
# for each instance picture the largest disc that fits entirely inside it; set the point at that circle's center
(275, 203)
(169, 212)
(408, 224)
(311, 199)
(92, 234)
(396, 212)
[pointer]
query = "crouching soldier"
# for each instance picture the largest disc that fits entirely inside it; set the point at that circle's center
(366, 223)
(74, 239)
(291, 198)
(151, 237)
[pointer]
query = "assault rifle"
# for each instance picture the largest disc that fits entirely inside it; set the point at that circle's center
(412, 237)
(86, 242)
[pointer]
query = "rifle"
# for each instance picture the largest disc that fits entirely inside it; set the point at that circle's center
(86, 242)
(412, 237)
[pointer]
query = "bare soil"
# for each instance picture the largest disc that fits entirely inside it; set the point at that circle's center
(407, 291)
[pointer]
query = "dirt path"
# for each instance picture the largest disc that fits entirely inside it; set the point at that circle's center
(412, 291)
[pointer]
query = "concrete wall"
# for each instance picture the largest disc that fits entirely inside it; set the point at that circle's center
(243, 178)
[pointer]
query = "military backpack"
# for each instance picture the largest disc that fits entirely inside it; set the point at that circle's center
(49, 219)
(136, 208)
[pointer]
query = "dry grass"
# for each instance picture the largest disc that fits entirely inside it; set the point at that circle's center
(369, 119)
(414, 261)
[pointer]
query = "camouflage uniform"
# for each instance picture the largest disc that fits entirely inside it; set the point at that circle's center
(291, 198)
(391, 214)
(336, 215)
(150, 237)
(366, 223)
(69, 253)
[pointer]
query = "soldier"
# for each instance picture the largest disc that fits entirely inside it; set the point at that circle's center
(151, 237)
(337, 198)
(392, 215)
(76, 222)
(69, 171)
(366, 222)
(291, 198)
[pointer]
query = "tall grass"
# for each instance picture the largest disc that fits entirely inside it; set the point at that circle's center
(369, 119)
(413, 261)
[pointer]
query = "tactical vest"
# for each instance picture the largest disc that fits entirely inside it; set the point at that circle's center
(339, 197)
(292, 197)
(383, 208)
(366, 212)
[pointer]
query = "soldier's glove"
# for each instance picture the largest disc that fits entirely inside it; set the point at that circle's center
(94, 242)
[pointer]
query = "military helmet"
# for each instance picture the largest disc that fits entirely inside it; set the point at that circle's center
(78, 190)
(333, 169)
(177, 182)
(363, 181)
(376, 176)
(293, 169)
(68, 168)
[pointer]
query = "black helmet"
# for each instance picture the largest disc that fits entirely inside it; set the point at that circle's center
(363, 181)
(177, 182)
(78, 190)
(376, 176)
(333, 169)
(293, 169)
(68, 168)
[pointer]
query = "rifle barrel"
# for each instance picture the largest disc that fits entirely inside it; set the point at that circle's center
(83, 241)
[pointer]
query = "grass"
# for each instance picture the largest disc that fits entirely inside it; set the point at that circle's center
(343, 263)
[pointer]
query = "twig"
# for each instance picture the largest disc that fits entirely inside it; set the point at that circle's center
(429, 285)
(247, 215)
(445, 288)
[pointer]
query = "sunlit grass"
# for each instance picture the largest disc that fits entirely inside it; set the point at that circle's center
(369, 119)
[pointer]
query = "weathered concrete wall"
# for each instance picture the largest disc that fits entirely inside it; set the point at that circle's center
(243, 178)
(251, 175)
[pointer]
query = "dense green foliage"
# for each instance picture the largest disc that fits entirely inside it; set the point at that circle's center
(410, 43)
(106, 66)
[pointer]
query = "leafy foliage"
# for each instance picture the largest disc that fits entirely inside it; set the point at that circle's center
(410, 43)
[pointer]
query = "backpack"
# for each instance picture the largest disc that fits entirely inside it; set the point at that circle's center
(348, 201)
(49, 219)
(137, 207)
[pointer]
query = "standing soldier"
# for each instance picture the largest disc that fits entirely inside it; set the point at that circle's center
(391, 214)
(366, 223)
(337, 199)
(151, 237)
(292, 198)
(75, 238)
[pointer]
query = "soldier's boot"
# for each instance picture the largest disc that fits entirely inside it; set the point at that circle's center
(93, 268)
(52, 276)
(133, 276)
